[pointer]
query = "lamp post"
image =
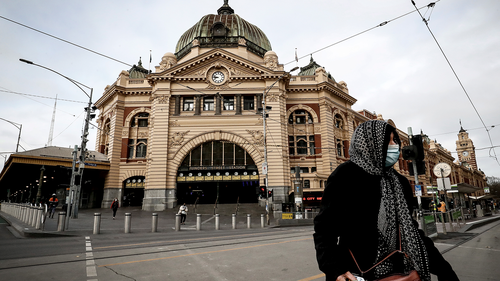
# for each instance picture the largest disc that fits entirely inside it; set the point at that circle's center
(76, 176)
(20, 128)
(264, 110)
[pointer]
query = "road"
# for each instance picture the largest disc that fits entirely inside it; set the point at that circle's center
(241, 254)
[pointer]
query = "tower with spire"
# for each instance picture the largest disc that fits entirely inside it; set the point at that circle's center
(465, 149)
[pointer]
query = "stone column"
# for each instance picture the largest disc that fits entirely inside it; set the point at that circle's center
(156, 178)
(112, 184)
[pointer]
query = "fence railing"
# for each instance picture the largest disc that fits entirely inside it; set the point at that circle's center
(30, 214)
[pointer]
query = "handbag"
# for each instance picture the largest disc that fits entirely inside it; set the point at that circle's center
(411, 276)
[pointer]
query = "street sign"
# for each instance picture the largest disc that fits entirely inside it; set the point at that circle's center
(264, 168)
(418, 190)
(444, 183)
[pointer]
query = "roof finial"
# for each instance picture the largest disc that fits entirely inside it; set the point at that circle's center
(225, 9)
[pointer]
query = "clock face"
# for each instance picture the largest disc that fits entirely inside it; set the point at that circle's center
(442, 170)
(218, 77)
(465, 153)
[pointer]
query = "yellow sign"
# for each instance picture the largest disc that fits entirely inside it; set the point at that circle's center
(287, 216)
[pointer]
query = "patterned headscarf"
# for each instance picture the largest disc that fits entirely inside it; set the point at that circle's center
(368, 150)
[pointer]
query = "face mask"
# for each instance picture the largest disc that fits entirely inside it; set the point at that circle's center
(392, 155)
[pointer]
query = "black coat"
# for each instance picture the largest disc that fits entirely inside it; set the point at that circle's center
(348, 220)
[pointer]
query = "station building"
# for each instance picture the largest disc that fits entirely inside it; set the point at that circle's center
(191, 130)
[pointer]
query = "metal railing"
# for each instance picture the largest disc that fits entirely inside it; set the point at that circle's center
(33, 215)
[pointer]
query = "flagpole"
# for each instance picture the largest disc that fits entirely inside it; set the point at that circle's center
(150, 59)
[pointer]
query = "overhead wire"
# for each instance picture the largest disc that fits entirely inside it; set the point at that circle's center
(458, 79)
(359, 33)
(66, 41)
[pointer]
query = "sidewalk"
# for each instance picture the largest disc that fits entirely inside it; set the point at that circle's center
(141, 222)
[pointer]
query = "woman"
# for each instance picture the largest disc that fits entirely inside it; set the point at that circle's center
(115, 206)
(366, 206)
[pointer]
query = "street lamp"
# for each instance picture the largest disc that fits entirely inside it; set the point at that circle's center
(76, 176)
(20, 128)
(264, 110)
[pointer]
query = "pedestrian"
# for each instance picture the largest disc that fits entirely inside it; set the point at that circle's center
(53, 202)
(364, 238)
(115, 206)
(183, 211)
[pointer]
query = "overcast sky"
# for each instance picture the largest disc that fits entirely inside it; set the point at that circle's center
(396, 70)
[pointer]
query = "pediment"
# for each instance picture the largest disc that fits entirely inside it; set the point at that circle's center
(198, 68)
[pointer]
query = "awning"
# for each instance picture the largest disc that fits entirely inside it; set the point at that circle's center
(467, 188)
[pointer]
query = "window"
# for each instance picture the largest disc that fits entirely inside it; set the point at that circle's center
(301, 145)
(140, 119)
(300, 117)
(311, 145)
(208, 104)
(339, 122)
(218, 153)
(137, 149)
(248, 103)
(141, 148)
(307, 184)
(313, 169)
(228, 103)
(340, 148)
(188, 104)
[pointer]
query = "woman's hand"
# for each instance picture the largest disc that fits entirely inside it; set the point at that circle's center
(346, 276)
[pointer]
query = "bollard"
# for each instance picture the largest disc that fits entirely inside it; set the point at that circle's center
(198, 221)
(217, 221)
(23, 213)
(444, 224)
(154, 223)
(177, 222)
(60, 221)
(233, 220)
(262, 221)
(97, 223)
(306, 214)
(31, 217)
(38, 223)
(128, 217)
(249, 221)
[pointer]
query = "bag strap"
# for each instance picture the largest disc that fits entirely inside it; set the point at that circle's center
(388, 256)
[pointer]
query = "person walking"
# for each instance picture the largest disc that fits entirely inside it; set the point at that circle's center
(377, 236)
(53, 202)
(115, 206)
(183, 211)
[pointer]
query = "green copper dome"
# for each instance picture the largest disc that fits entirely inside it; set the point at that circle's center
(224, 30)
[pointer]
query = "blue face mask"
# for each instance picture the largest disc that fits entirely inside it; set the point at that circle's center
(392, 155)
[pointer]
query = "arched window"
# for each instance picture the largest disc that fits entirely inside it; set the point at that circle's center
(300, 117)
(339, 122)
(340, 148)
(138, 132)
(104, 142)
(140, 120)
(217, 153)
(302, 143)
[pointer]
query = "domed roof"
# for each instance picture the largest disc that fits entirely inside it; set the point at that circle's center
(225, 29)
(137, 71)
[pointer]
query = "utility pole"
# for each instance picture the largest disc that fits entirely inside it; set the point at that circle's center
(415, 172)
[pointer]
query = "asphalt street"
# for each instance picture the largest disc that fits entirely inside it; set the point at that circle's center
(270, 253)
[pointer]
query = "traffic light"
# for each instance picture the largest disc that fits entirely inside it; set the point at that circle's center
(262, 192)
(270, 193)
(420, 168)
(416, 153)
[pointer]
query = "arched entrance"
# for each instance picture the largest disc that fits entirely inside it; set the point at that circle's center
(133, 191)
(217, 171)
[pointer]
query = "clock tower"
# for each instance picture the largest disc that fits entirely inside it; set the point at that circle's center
(465, 149)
